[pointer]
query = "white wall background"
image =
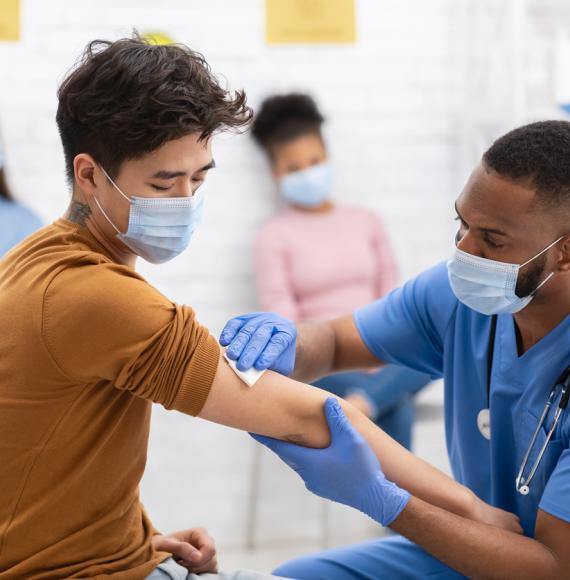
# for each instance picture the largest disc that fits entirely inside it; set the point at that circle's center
(394, 133)
(387, 99)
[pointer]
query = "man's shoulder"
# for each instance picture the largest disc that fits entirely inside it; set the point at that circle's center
(434, 282)
(102, 283)
(431, 296)
(81, 272)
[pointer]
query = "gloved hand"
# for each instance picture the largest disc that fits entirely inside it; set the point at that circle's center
(347, 471)
(262, 340)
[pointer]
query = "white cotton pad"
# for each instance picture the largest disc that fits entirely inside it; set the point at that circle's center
(249, 377)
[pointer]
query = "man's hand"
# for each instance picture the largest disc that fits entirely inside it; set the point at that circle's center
(262, 340)
(487, 514)
(194, 549)
(347, 471)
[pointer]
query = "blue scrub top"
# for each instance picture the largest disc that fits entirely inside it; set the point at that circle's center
(16, 223)
(423, 326)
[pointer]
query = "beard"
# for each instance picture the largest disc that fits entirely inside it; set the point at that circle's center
(529, 281)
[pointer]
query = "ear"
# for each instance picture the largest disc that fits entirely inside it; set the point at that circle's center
(88, 175)
(564, 260)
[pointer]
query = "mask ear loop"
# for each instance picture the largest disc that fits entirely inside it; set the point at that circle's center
(129, 199)
(106, 216)
(99, 205)
(540, 254)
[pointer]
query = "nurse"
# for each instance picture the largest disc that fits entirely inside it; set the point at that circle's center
(494, 323)
(16, 221)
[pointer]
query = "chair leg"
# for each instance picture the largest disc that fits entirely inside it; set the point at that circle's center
(253, 498)
(325, 524)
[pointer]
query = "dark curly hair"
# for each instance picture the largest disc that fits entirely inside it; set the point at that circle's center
(537, 155)
(283, 118)
(126, 98)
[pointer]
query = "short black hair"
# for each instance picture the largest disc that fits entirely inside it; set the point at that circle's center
(283, 118)
(126, 98)
(537, 155)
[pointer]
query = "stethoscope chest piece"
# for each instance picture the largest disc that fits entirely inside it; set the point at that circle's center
(484, 423)
(524, 489)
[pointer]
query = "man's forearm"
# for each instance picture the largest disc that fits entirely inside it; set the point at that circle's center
(474, 549)
(331, 346)
(412, 473)
(285, 409)
(315, 351)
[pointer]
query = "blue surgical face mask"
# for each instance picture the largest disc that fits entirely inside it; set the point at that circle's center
(488, 286)
(309, 187)
(159, 228)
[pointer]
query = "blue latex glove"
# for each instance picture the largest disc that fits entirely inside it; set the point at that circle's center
(347, 471)
(262, 340)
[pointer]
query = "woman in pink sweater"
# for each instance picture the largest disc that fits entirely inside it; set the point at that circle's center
(318, 260)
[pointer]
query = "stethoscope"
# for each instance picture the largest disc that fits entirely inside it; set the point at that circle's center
(562, 386)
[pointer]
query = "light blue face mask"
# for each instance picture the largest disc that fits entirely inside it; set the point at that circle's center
(488, 286)
(159, 228)
(309, 187)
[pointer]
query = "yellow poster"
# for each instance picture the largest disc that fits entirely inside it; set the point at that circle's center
(9, 20)
(310, 21)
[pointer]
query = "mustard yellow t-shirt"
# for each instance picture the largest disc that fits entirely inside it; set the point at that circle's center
(86, 346)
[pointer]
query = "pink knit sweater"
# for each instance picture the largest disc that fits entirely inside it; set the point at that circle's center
(314, 266)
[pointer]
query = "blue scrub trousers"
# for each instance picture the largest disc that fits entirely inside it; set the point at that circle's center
(389, 391)
(393, 558)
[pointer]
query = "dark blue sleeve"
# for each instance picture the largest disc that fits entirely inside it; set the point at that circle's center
(408, 326)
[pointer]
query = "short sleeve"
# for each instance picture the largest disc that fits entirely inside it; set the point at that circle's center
(408, 326)
(556, 497)
(103, 322)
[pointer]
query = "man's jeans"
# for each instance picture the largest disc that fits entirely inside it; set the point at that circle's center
(170, 570)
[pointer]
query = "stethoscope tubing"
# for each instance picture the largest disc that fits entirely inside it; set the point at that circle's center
(522, 484)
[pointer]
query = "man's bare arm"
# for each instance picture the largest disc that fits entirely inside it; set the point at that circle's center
(331, 346)
(282, 408)
(482, 551)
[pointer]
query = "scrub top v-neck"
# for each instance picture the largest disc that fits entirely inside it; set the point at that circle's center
(422, 325)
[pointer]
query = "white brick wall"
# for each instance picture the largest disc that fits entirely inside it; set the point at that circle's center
(388, 99)
(392, 137)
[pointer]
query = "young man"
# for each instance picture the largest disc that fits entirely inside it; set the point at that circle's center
(495, 324)
(88, 345)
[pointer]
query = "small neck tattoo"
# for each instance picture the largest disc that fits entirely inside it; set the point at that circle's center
(78, 212)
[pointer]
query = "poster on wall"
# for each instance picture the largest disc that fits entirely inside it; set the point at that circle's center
(158, 38)
(9, 20)
(310, 21)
